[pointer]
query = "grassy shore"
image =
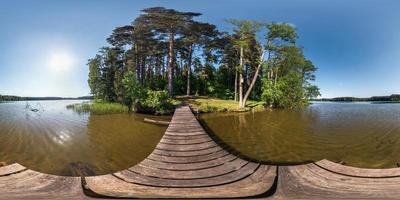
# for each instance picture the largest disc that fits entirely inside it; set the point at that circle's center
(200, 104)
(208, 104)
(98, 107)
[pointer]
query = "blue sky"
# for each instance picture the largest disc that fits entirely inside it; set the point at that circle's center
(354, 43)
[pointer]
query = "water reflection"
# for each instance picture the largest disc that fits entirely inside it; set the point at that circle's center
(51, 140)
(360, 134)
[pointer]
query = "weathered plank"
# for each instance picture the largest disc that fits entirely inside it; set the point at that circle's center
(328, 180)
(181, 147)
(156, 121)
(195, 154)
(17, 182)
(174, 141)
(11, 169)
(189, 166)
(226, 168)
(256, 184)
(131, 177)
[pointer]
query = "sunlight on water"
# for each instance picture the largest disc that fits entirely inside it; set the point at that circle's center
(52, 138)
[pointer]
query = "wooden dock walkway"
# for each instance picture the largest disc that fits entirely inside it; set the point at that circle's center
(187, 163)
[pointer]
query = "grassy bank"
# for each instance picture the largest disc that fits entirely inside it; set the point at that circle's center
(197, 103)
(98, 107)
(209, 104)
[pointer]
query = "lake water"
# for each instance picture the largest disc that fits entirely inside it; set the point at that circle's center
(49, 140)
(360, 134)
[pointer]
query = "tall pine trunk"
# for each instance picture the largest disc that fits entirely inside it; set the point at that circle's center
(241, 80)
(189, 70)
(171, 64)
(137, 65)
(236, 83)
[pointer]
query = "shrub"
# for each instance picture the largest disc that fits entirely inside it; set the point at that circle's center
(155, 102)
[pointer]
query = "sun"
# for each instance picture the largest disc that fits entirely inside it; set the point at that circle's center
(61, 61)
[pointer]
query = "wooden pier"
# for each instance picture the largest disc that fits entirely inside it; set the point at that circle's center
(187, 163)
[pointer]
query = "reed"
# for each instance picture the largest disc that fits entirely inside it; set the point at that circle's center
(98, 107)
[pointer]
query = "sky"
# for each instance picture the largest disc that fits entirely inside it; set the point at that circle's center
(45, 44)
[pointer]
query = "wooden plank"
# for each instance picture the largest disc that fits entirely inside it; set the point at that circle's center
(256, 184)
(310, 181)
(185, 142)
(11, 169)
(156, 121)
(226, 168)
(184, 134)
(200, 155)
(188, 166)
(136, 178)
(29, 184)
(359, 172)
(192, 147)
(186, 137)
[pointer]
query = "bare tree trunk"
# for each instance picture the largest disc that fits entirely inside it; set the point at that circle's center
(171, 64)
(137, 63)
(253, 81)
(189, 69)
(236, 82)
(241, 78)
(164, 71)
(143, 70)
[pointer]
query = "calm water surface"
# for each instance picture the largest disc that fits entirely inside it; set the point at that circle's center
(49, 140)
(360, 134)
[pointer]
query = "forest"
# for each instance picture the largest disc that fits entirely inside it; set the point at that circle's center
(391, 98)
(19, 98)
(165, 53)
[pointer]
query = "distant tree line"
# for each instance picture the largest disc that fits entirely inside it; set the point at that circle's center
(393, 97)
(164, 53)
(10, 98)
(18, 98)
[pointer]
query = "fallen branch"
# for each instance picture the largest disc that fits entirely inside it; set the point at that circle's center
(156, 122)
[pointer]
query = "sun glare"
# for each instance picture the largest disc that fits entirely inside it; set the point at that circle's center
(61, 61)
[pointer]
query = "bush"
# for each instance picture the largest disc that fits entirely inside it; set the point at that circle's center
(155, 102)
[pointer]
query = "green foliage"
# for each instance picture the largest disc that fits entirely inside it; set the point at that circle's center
(288, 92)
(205, 104)
(157, 102)
(133, 90)
(144, 99)
(165, 49)
(94, 80)
(282, 31)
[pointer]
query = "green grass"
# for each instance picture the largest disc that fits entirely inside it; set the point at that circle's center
(98, 107)
(198, 103)
(208, 104)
